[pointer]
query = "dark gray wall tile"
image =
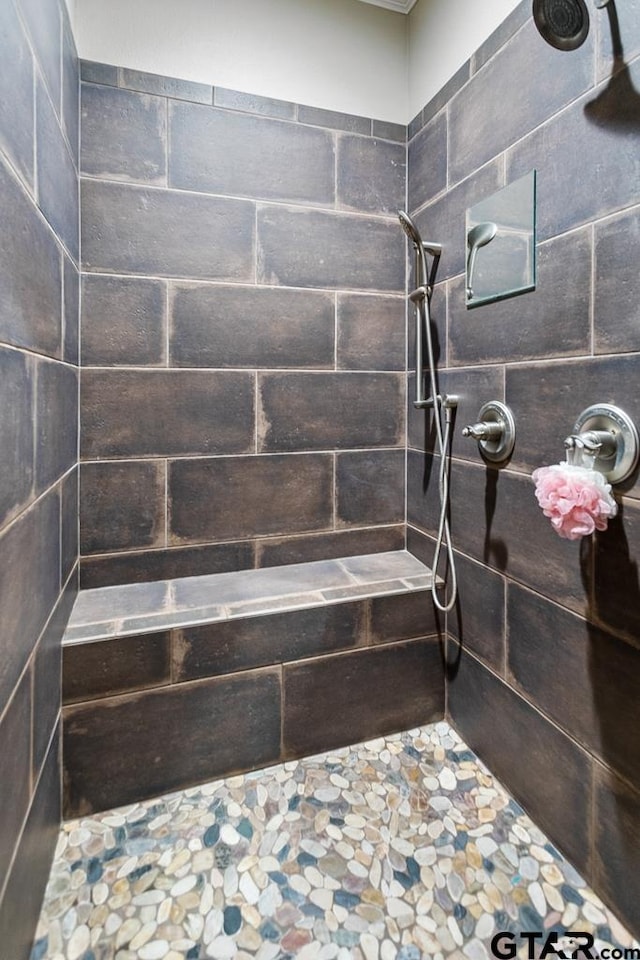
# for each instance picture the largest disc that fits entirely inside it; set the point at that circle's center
(16, 94)
(477, 132)
(71, 310)
(478, 619)
(346, 698)
(70, 86)
(598, 708)
(310, 248)
(510, 25)
(415, 125)
(98, 73)
(402, 617)
(243, 644)
(140, 567)
(301, 411)
(371, 332)
(604, 125)
(443, 220)
(176, 412)
(237, 326)
(616, 844)
(17, 393)
(57, 178)
(334, 120)
(129, 229)
(554, 784)
(68, 525)
(43, 21)
(30, 274)
(444, 95)
(617, 287)
(427, 163)
(124, 135)
(370, 487)
(370, 174)
(231, 723)
(165, 86)
(552, 321)
(327, 546)
(215, 151)
(15, 768)
(57, 422)
(613, 51)
(616, 604)
(473, 387)
(254, 496)
(20, 907)
(47, 678)
(568, 388)
(108, 667)
(29, 584)
(122, 505)
(123, 321)
(389, 131)
(252, 103)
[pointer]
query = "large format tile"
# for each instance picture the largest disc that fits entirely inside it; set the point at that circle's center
(253, 103)
(370, 332)
(108, 667)
(71, 311)
(28, 878)
(231, 724)
(123, 321)
(57, 177)
(246, 643)
(616, 588)
(56, 434)
(603, 125)
(15, 769)
(42, 19)
(17, 393)
(334, 119)
(177, 412)
(402, 618)
(163, 86)
(617, 287)
(370, 487)
(370, 174)
(69, 532)
(124, 135)
(478, 618)
(16, 95)
(122, 505)
(239, 326)
(313, 248)
(552, 782)
(215, 151)
(318, 411)
(30, 274)
(114, 603)
(324, 546)
(477, 132)
(616, 845)
(167, 233)
(598, 708)
(551, 321)
(29, 584)
(70, 87)
(359, 695)
(47, 678)
(231, 498)
(427, 163)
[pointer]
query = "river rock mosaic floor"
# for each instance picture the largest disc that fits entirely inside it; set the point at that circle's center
(401, 848)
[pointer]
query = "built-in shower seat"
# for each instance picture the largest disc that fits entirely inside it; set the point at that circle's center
(170, 683)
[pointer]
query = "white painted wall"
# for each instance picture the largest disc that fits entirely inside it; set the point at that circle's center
(442, 36)
(337, 54)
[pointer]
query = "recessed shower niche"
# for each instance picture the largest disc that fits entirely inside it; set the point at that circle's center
(501, 243)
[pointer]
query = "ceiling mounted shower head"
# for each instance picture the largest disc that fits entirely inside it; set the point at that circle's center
(562, 23)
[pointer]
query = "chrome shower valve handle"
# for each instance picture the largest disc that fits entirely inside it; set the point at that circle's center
(495, 431)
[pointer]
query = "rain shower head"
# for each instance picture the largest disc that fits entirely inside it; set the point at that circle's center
(562, 23)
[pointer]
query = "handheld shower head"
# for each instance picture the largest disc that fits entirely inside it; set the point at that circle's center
(409, 227)
(562, 23)
(478, 236)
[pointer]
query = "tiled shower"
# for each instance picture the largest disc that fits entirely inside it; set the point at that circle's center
(243, 404)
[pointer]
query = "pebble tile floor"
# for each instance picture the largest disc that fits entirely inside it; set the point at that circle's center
(400, 848)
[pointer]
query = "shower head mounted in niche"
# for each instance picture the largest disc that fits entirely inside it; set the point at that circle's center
(562, 23)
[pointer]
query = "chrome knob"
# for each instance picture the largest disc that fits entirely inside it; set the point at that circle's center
(495, 431)
(485, 430)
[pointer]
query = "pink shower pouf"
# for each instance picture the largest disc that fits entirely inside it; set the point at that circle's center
(576, 499)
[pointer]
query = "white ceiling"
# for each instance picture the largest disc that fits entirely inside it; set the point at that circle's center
(400, 6)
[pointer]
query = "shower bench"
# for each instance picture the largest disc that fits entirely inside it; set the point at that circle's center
(172, 683)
